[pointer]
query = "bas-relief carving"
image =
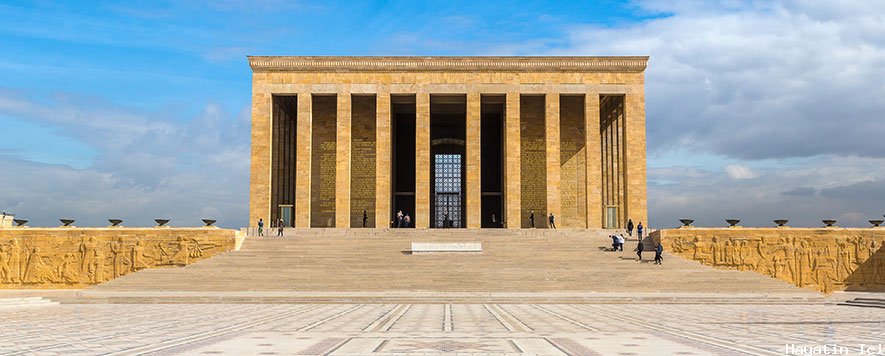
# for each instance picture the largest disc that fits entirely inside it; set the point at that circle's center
(824, 263)
(53, 262)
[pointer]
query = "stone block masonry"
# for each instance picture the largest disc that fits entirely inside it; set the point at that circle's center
(572, 139)
(824, 259)
(60, 258)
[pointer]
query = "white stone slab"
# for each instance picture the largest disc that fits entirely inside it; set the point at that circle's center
(428, 247)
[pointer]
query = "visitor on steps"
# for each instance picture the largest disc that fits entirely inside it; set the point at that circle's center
(658, 251)
(621, 241)
(280, 227)
(639, 231)
(260, 227)
(639, 249)
(365, 218)
(552, 224)
(630, 227)
(532, 219)
(407, 220)
(614, 242)
(399, 219)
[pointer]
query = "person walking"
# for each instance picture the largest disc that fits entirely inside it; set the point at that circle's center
(630, 227)
(621, 241)
(532, 219)
(639, 249)
(365, 218)
(658, 251)
(399, 219)
(280, 227)
(639, 231)
(407, 220)
(260, 227)
(552, 223)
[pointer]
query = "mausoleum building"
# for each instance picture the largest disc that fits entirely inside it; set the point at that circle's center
(469, 142)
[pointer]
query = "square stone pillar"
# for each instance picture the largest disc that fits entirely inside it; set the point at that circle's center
(342, 160)
(382, 160)
(512, 156)
(474, 163)
(593, 146)
(421, 218)
(553, 168)
(261, 161)
(635, 169)
(302, 160)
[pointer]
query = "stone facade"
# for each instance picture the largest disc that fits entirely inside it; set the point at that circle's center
(75, 257)
(554, 132)
(825, 259)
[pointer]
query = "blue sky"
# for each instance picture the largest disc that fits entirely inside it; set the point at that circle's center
(139, 110)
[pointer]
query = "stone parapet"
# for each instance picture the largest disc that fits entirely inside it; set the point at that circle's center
(448, 64)
(60, 258)
(825, 259)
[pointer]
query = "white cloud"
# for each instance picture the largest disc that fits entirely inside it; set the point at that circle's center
(737, 171)
(147, 167)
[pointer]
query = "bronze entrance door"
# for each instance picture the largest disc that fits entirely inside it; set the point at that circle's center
(447, 191)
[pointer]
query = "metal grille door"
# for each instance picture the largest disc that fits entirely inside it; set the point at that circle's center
(447, 190)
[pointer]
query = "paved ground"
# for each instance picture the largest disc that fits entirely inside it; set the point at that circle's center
(423, 329)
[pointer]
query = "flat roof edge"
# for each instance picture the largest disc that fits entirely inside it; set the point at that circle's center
(448, 63)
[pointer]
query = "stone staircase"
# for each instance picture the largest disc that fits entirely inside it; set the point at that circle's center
(865, 303)
(367, 265)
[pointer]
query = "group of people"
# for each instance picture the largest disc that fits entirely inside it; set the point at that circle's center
(279, 225)
(618, 242)
(551, 220)
(402, 220)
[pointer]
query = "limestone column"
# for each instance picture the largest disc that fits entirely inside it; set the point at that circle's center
(382, 160)
(593, 144)
(261, 161)
(342, 161)
(512, 155)
(553, 168)
(421, 219)
(474, 163)
(302, 161)
(635, 169)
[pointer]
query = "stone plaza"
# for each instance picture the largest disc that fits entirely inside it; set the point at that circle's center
(432, 329)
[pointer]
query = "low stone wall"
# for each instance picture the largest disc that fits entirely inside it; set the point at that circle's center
(825, 259)
(77, 257)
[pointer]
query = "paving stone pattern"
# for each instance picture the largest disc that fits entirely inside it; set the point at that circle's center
(428, 329)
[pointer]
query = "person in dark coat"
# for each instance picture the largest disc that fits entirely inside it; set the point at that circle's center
(639, 249)
(365, 218)
(658, 251)
(552, 223)
(532, 219)
(630, 227)
(639, 231)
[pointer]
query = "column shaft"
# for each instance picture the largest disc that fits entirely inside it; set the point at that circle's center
(302, 162)
(421, 218)
(594, 161)
(261, 161)
(553, 168)
(474, 163)
(512, 193)
(342, 161)
(635, 165)
(382, 161)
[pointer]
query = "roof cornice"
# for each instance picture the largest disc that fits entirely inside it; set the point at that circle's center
(446, 64)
